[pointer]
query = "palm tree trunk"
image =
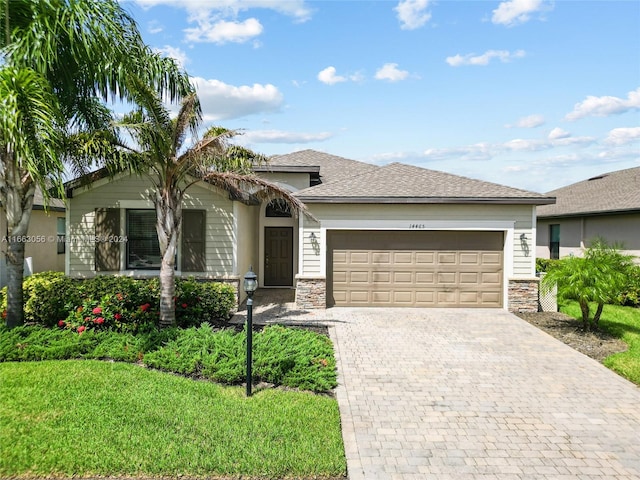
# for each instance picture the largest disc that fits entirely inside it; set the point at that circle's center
(596, 316)
(584, 307)
(17, 199)
(169, 218)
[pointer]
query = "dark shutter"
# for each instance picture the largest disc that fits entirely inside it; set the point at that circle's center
(107, 223)
(193, 241)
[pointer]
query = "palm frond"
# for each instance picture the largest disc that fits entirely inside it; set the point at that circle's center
(242, 186)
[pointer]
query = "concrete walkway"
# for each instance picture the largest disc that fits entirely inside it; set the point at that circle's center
(473, 394)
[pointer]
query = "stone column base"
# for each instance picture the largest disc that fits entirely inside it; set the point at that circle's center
(523, 295)
(311, 292)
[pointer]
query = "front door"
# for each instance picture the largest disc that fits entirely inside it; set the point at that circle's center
(278, 256)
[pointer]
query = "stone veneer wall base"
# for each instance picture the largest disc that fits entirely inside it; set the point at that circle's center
(523, 295)
(311, 292)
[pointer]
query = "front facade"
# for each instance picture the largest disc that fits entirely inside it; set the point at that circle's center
(606, 207)
(376, 236)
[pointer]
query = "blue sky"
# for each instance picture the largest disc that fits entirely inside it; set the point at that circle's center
(528, 93)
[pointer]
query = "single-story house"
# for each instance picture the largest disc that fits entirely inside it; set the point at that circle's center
(394, 235)
(606, 206)
(45, 241)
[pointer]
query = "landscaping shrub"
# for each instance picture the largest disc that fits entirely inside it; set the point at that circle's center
(32, 343)
(630, 295)
(199, 302)
(290, 357)
(543, 264)
(283, 356)
(119, 303)
(46, 297)
(295, 357)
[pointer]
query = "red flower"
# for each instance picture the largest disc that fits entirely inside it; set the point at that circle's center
(117, 316)
(97, 311)
(99, 320)
(86, 319)
(79, 309)
(81, 328)
(119, 296)
(62, 323)
(184, 305)
(145, 307)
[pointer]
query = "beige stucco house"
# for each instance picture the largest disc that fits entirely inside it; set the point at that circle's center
(395, 235)
(45, 246)
(606, 206)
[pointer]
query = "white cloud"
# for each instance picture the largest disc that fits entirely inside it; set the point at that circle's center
(605, 106)
(623, 136)
(558, 133)
(221, 101)
(217, 21)
(293, 8)
(513, 12)
(484, 59)
(413, 13)
(391, 73)
(224, 31)
(154, 27)
(328, 76)
(176, 53)
(279, 136)
(530, 121)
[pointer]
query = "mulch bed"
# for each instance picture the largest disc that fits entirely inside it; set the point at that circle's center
(597, 345)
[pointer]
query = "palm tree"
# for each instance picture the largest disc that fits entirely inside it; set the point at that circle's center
(29, 143)
(158, 151)
(598, 276)
(85, 51)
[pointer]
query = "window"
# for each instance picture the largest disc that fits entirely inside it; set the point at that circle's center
(278, 208)
(554, 241)
(61, 227)
(143, 248)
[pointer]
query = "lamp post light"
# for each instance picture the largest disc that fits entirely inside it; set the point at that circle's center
(250, 286)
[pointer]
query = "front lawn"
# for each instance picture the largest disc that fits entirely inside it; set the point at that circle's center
(622, 322)
(95, 418)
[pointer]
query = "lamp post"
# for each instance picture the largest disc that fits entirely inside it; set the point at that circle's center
(250, 285)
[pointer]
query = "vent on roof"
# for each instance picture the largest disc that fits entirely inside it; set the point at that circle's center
(598, 177)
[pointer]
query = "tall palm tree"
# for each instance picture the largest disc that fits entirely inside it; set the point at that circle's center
(29, 143)
(158, 151)
(86, 51)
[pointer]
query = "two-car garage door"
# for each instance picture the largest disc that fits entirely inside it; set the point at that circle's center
(415, 268)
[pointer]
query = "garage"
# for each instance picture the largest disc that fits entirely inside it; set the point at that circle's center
(415, 268)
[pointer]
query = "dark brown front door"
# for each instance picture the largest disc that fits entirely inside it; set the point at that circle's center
(278, 256)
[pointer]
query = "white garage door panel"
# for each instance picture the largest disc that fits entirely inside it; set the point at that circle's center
(415, 269)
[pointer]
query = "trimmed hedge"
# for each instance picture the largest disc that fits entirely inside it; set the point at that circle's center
(118, 303)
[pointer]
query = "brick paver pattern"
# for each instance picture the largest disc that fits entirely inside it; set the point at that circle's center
(476, 394)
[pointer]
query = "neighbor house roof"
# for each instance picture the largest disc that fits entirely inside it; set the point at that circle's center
(613, 192)
(400, 183)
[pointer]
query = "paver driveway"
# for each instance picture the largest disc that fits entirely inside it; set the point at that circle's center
(476, 394)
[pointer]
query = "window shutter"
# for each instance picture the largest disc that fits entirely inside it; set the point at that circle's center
(193, 241)
(107, 224)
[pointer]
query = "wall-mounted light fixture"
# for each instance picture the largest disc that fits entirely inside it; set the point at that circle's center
(312, 236)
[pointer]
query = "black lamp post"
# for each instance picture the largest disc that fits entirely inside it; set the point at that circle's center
(250, 286)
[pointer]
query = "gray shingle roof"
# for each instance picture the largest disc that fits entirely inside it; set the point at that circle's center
(610, 192)
(332, 167)
(400, 183)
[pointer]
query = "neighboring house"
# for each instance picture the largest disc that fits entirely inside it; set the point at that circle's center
(396, 235)
(605, 206)
(45, 242)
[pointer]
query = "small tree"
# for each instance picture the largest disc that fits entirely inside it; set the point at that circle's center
(597, 277)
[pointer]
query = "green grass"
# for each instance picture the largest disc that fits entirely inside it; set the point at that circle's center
(87, 417)
(624, 323)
